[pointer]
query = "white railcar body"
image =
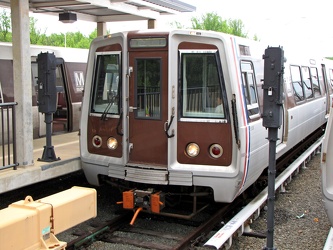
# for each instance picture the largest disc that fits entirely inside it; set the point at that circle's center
(152, 147)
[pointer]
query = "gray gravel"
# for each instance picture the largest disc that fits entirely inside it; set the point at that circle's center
(300, 218)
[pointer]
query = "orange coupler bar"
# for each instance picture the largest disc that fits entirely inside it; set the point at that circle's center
(146, 199)
(32, 225)
(143, 200)
(128, 199)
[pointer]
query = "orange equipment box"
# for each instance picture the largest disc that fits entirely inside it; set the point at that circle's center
(30, 225)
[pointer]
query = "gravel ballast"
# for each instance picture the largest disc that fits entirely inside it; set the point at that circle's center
(300, 218)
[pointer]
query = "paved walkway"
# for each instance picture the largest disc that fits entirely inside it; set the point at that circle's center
(66, 147)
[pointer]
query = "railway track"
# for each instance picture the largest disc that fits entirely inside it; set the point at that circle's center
(151, 232)
(146, 234)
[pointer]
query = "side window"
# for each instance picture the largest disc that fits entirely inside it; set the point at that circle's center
(200, 85)
(34, 76)
(106, 84)
(250, 88)
(1, 94)
(306, 80)
(315, 81)
(331, 77)
(297, 83)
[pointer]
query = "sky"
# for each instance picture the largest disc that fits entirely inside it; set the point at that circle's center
(296, 23)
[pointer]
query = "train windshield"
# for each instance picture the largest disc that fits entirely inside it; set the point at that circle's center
(201, 83)
(106, 90)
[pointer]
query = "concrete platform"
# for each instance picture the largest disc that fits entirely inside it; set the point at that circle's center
(66, 147)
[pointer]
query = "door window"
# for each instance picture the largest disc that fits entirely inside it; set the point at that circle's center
(315, 81)
(297, 83)
(148, 88)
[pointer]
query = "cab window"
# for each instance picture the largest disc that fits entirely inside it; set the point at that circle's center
(201, 85)
(106, 84)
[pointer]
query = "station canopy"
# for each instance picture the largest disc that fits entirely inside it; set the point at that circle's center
(108, 10)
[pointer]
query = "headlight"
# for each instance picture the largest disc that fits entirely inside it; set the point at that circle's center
(192, 149)
(97, 141)
(112, 143)
(215, 150)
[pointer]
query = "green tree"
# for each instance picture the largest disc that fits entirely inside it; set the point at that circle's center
(77, 40)
(56, 40)
(236, 27)
(5, 26)
(36, 36)
(177, 25)
(212, 21)
(256, 38)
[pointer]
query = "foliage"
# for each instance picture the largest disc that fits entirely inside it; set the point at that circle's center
(177, 25)
(256, 38)
(39, 37)
(209, 21)
(36, 35)
(5, 27)
(212, 21)
(236, 27)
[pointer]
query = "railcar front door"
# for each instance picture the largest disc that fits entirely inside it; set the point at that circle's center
(148, 108)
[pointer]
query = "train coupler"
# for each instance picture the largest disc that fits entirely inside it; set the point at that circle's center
(147, 200)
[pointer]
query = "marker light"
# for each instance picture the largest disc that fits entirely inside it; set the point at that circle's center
(112, 143)
(192, 149)
(215, 150)
(97, 141)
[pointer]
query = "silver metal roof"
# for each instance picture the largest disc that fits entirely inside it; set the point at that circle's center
(109, 10)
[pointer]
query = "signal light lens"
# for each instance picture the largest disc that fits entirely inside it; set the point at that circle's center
(97, 141)
(192, 149)
(215, 150)
(112, 143)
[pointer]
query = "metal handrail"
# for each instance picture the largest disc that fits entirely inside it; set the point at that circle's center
(8, 135)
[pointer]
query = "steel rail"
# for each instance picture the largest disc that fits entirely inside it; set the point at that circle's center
(90, 237)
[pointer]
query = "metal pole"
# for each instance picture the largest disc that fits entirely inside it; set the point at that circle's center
(272, 120)
(48, 153)
(272, 137)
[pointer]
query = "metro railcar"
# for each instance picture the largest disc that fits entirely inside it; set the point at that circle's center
(70, 81)
(327, 158)
(326, 170)
(182, 110)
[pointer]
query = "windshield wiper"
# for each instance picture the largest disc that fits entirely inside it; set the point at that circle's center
(108, 107)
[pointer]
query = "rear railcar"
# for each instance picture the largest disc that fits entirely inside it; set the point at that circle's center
(70, 73)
